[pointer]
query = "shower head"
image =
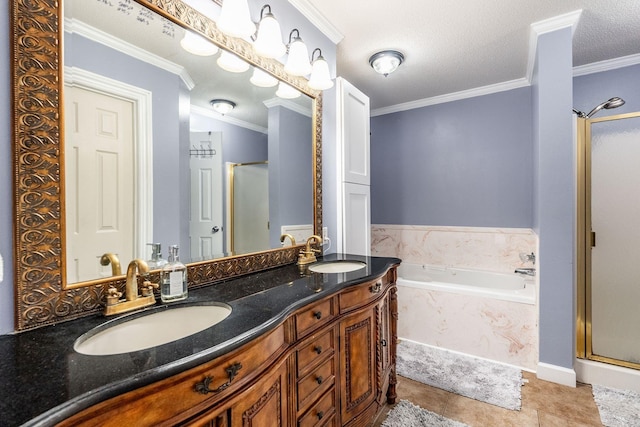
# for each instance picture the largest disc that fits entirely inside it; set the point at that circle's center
(614, 102)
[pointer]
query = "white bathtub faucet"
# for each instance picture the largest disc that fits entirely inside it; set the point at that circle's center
(526, 271)
(524, 257)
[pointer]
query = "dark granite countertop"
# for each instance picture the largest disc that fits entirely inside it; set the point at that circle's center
(45, 381)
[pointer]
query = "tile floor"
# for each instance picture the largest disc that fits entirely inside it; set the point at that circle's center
(544, 404)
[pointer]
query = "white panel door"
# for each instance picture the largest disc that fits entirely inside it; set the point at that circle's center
(205, 225)
(357, 219)
(354, 131)
(99, 183)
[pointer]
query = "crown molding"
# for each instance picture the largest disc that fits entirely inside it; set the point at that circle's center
(310, 12)
(567, 20)
(288, 104)
(455, 96)
(206, 112)
(72, 25)
(607, 65)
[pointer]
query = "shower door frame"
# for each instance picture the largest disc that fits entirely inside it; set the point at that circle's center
(584, 240)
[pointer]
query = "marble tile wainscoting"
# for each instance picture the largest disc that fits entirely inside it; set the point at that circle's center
(503, 331)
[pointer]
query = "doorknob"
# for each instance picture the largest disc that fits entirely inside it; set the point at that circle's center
(215, 229)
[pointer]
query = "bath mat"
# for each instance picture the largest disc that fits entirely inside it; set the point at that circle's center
(618, 408)
(406, 414)
(467, 376)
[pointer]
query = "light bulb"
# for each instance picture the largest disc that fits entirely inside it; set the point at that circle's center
(287, 92)
(198, 45)
(235, 19)
(269, 40)
(232, 63)
(298, 60)
(320, 78)
(262, 79)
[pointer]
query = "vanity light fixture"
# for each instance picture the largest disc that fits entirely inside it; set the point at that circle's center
(298, 60)
(269, 37)
(232, 63)
(198, 45)
(235, 19)
(386, 61)
(262, 79)
(320, 78)
(222, 106)
(287, 92)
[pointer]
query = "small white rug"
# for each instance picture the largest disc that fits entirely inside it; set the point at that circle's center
(468, 376)
(406, 414)
(618, 408)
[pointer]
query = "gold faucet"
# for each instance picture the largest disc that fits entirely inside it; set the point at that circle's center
(132, 300)
(284, 236)
(115, 263)
(308, 254)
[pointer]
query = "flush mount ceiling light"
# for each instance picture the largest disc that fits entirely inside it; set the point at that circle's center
(235, 19)
(320, 78)
(222, 106)
(386, 61)
(198, 45)
(298, 60)
(269, 37)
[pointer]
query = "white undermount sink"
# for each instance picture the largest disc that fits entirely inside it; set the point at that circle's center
(150, 330)
(337, 266)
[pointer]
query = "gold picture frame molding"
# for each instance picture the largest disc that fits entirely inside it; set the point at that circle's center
(42, 295)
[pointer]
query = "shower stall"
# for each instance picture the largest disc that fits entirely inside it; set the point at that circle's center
(609, 237)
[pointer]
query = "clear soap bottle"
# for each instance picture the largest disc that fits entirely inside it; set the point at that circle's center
(173, 281)
(156, 260)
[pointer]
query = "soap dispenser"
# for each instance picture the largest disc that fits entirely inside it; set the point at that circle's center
(173, 278)
(156, 260)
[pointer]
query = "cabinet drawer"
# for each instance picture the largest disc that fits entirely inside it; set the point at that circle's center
(318, 314)
(178, 394)
(316, 383)
(363, 294)
(317, 349)
(320, 414)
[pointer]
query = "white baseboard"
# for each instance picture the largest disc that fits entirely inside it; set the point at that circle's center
(556, 374)
(590, 372)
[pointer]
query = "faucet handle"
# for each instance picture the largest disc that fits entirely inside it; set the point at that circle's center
(113, 296)
(148, 287)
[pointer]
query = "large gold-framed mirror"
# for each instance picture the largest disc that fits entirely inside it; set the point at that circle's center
(44, 295)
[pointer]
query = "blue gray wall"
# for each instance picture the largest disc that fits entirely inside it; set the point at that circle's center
(6, 177)
(290, 177)
(592, 89)
(555, 197)
(462, 163)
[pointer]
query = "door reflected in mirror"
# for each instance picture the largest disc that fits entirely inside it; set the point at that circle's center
(148, 159)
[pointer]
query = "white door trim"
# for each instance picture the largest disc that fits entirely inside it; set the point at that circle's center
(143, 145)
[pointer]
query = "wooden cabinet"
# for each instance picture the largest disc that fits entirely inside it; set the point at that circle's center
(331, 363)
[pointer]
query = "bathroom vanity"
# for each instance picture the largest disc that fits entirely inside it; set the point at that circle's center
(299, 348)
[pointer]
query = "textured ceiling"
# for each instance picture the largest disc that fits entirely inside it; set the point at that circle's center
(458, 45)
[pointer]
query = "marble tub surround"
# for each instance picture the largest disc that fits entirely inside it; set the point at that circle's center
(502, 331)
(45, 381)
(482, 248)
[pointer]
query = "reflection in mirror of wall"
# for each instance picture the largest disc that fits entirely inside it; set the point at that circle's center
(161, 119)
(127, 188)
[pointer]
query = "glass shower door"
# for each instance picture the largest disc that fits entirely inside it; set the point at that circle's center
(615, 254)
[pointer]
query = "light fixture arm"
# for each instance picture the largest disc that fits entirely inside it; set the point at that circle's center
(314, 52)
(262, 10)
(290, 34)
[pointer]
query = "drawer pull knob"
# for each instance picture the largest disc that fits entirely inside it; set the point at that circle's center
(319, 380)
(384, 343)
(320, 415)
(376, 288)
(318, 349)
(317, 315)
(203, 386)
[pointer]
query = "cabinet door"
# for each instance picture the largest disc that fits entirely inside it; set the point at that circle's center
(356, 229)
(353, 125)
(357, 363)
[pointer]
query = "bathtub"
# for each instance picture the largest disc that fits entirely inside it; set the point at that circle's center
(501, 286)
(479, 313)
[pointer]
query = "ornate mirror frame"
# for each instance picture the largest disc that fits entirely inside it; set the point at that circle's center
(42, 296)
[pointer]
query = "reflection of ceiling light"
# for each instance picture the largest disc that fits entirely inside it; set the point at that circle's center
(386, 62)
(269, 39)
(262, 79)
(287, 92)
(197, 45)
(222, 106)
(235, 19)
(232, 63)
(298, 60)
(320, 78)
